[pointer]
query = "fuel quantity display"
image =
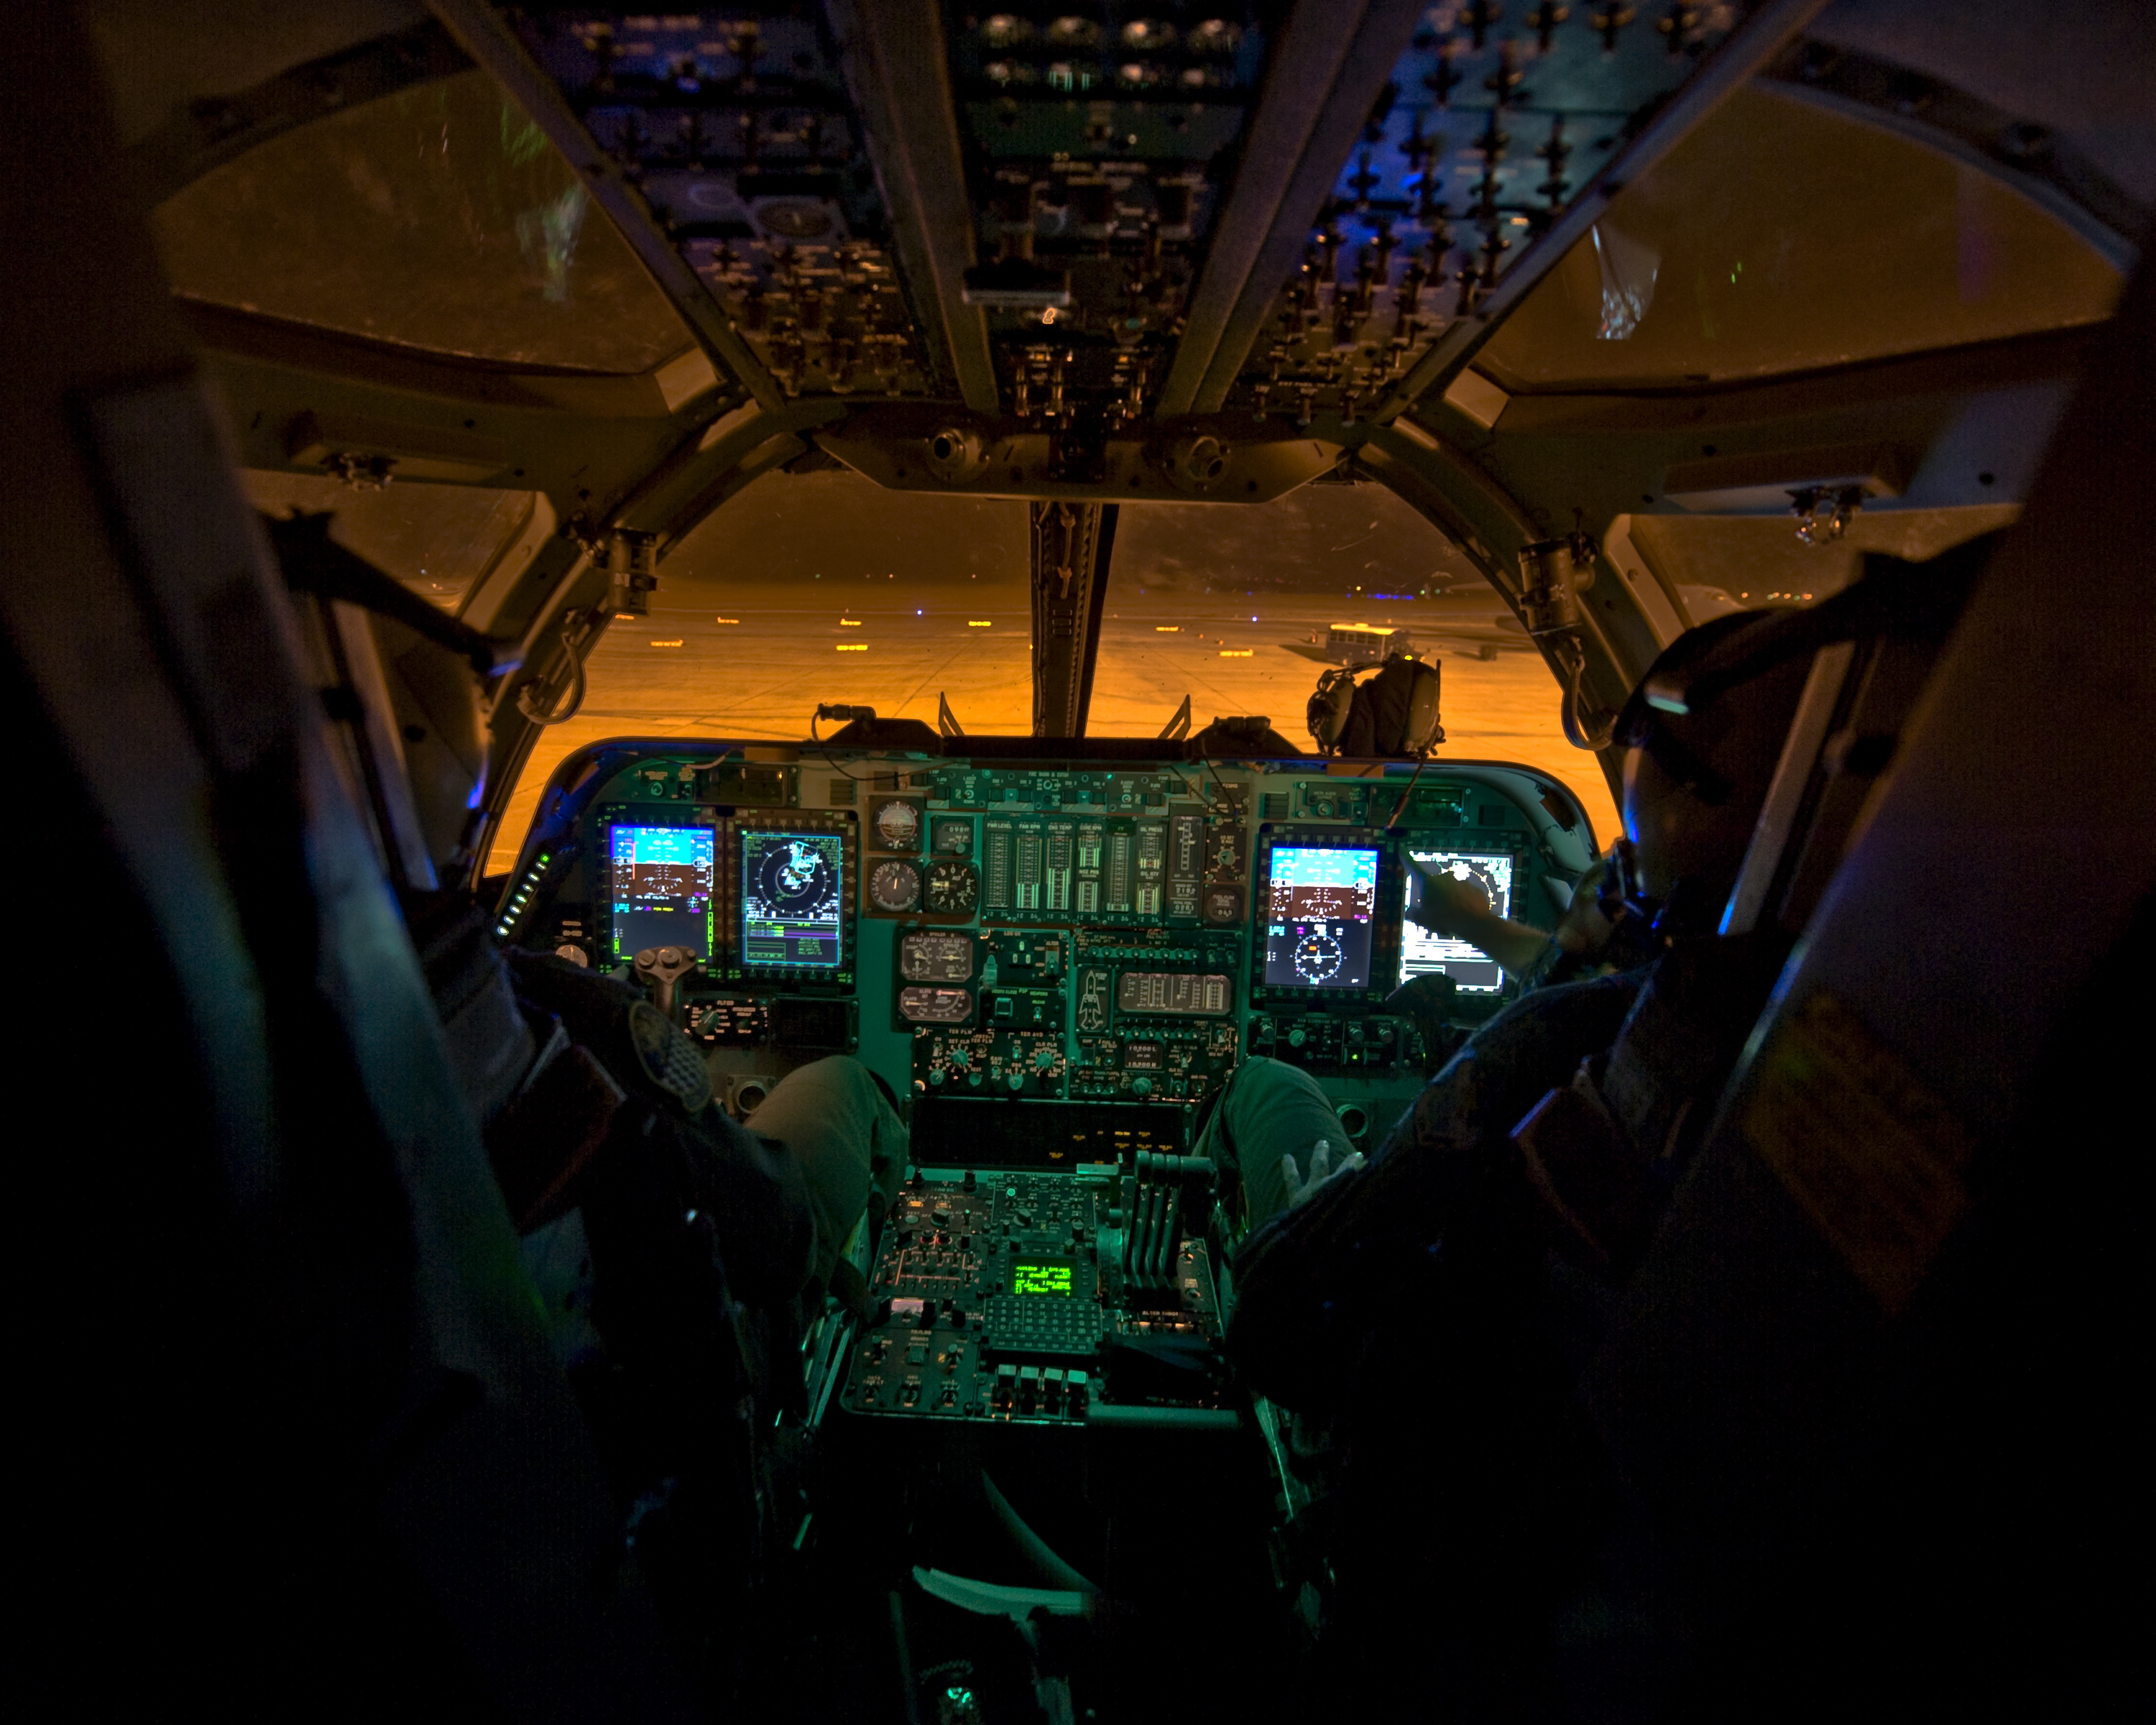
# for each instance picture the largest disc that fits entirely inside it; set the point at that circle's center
(1318, 917)
(791, 904)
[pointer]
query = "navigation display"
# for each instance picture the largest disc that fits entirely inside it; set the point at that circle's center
(1472, 971)
(791, 908)
(1318, 919)
(660, 879)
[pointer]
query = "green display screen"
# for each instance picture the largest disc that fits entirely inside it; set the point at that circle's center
(1041, 1279)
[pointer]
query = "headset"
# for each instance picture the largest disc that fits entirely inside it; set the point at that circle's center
(1394, 713)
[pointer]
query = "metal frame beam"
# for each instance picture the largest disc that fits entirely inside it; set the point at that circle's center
(1747, 48)
(484, 35)
(1072, 544)
(893, 53)
(1327, 70)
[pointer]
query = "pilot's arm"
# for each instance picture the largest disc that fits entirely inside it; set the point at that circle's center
(1435, 1213)
(1460, 910)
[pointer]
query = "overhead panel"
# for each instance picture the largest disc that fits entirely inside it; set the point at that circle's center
(737, 131)
(1100, 143)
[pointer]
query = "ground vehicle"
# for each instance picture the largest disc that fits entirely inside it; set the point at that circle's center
(1499, 472)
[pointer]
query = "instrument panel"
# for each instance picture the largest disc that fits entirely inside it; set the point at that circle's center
(1054, 965)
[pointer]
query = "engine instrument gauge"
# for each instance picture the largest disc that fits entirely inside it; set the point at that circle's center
(936, 957)
(894, 886)
(953, 888)
(935, 1006)
(896, 824)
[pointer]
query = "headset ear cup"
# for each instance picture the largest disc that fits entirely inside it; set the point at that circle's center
(1424, 728)
(1327, 716)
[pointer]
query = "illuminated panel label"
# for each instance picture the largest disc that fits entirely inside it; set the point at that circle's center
(1318, 918)
(1179, 995)
(790, 899)
(1044, 1278)
(1422, 951)
(660, 879)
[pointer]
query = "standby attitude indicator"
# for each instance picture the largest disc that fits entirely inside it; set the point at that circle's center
(1318, 918)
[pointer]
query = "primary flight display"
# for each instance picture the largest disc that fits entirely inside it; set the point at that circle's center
(1318, 918)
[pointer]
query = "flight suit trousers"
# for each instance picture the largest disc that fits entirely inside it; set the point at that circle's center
(1269, 1109)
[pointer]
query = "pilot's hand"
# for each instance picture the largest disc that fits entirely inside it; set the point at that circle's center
(1320, 1171)
(1450, 904)
(1583, 929)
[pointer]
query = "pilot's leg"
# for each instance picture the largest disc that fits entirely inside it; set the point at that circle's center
(839, 1122)
(1269, 1109)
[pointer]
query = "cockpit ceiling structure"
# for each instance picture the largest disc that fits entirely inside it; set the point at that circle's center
(1123, 248)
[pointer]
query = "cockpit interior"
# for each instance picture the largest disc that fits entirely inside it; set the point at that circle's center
(577, 573)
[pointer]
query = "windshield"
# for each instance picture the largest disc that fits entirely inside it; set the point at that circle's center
(439, 218)
(825, 587)
(1779, 237)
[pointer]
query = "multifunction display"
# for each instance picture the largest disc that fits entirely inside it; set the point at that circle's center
(660, 879)
(791, 899)
(1044, 1275)
(1318, 917)
(1422, 951)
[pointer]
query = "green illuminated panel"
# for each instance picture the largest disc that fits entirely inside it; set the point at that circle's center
(1041, 1279)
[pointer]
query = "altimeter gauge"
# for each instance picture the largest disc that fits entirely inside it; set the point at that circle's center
(894, 886)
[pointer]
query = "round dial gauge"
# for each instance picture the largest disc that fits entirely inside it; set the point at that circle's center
(898, 826)
(951, 887)
(1316, 957)
(895, 886)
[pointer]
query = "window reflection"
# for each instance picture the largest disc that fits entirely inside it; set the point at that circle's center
(437, 218)
(1782, 238)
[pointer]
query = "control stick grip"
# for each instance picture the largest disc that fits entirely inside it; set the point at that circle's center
(661, 969)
